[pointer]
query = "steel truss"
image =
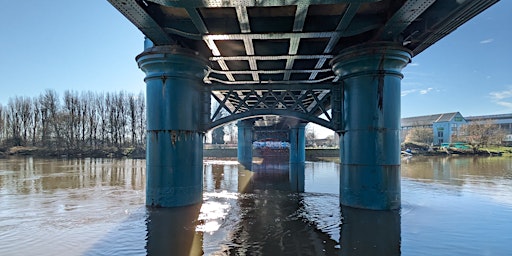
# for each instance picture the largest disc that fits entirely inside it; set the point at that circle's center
(317, 103)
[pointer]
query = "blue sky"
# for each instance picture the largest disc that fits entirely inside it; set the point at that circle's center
(88, 45)
(467, 71)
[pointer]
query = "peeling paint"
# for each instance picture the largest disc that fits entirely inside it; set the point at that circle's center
(173, 137)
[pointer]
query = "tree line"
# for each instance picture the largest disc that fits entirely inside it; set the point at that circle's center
(77, 120)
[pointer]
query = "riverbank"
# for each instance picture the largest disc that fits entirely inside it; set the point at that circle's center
(312, 154)
(140, 153)
(112, 152)
(447, 151)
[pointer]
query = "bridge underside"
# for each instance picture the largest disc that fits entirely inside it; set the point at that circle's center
(336, 63)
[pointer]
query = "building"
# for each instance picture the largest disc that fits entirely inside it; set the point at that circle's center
(504, 121)
(443, 126)
(448, 125)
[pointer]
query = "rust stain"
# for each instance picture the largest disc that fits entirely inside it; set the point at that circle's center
(380, 86)
(164, 86)
(175, 135)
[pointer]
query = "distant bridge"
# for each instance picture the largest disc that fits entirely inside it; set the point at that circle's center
(336, 63)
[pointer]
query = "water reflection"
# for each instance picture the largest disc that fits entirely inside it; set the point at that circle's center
(273, 216)
(457, 170)
(367, 232)
(28, 176)
(491, 176)
(455, 206)
(173, 231)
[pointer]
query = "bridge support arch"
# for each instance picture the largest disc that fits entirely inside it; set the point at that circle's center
(370, 124)
(174, 155)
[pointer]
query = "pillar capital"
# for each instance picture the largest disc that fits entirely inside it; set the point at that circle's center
(299, 125)
(246, 123)
(172, 61)
(371, 58)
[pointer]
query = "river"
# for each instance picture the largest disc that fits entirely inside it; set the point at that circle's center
(450, 206)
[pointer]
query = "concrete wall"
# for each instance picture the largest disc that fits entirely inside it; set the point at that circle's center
(311, 154)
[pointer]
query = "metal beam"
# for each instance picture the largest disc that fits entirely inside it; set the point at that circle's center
(310, 81)
(250, 3)
(145, 23)
(274, 86)
(408, 13)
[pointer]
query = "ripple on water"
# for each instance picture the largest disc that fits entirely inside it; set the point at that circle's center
(322, 211)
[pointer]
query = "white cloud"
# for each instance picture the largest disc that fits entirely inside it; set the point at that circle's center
(414, 64)
(406, 92)
(425, 91)
(504, 104)
(419, 91)
(486, 41)
(501, 97)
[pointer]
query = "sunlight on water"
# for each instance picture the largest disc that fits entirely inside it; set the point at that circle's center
(214, 210)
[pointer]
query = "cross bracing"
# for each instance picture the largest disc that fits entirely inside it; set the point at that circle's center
(309, 104)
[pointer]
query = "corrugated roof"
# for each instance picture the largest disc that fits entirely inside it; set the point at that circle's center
(427, 120)
(488, 117)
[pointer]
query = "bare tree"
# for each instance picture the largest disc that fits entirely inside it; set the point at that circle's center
(141, 113)
(482, 133)
(83, 120)
(25, 109)
(36, 121)
(102, 103)
(14, 121)
(132, 110)
(49, 107)
(310, 134)
(90, 118)
(420, 135)
(2, 123)
(71, 118)
(122, 116)
(231, 131)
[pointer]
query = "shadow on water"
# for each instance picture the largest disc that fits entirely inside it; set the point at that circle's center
(368, 232)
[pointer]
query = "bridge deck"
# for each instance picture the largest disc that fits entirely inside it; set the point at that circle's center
(290, 41)
(273, 56)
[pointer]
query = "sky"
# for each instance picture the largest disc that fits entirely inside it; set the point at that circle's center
(90, 46)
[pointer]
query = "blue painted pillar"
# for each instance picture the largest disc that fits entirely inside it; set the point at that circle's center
(174, 155)
(370, 136)
(297, 157)
(298, 143)
(244, 147)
